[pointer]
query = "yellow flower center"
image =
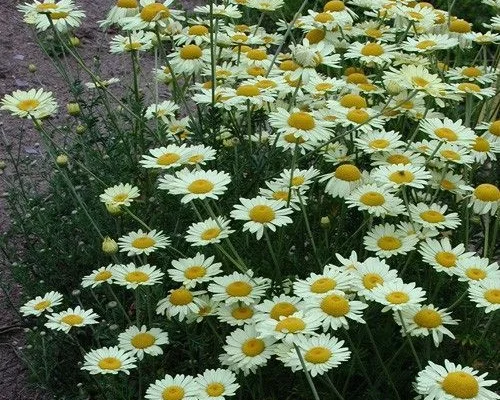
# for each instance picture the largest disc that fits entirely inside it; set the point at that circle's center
(397, 297)
(358, 116)
(110, 363)
(266, 84)
(143, 340)
(197, 30)
(200, 186)
(242, 313)
(323, 17)
(427, 318)
(323, 285)
(372, 49)
(357, 78)
(419, 81)
(425, 44)
(334, 305)
(194, 272)
(317, 355)
(450, 155)
(72, 319)
(492, 295)
(102, 276)
(494, 128)
(137, 277)
(401, 177)
(215, 389)
(42, 305)
(262, 214)
(301, 120)
(398, 159)
(190, 52)
(379, 144)
(168, 158)
(481, 145)
(256, 54)
(446, 133)
(28, 105)
(253, 347)
(348, 173)
(238, 289)
(371, 280)
(475, 274)
(469, 87)
(447, 185)
(143, 242)
(461, 385)
(432, 216)
(172, 393)
(127, 3)
(290, 138)
(315, 36)
(247, 91)
(460, 26)
(372, 199)
(181, 297)
(334, 6)
(472, 72)
(446, 259)
(353, 100)
(283, 309)
(389, 243)
(290, 324)
(210, 233)
(487, 192)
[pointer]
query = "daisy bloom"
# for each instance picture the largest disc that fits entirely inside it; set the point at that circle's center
(329, 282)
(136, 243)
(342, 181)
(236, 314)
(485, 199)
(40, 304)
(261, 213)
(371, 52)
(371, 273)
(209, 231)
(142, 341)
(216, 384)
(136, 41)
(397, 295)
(132, 276)
(320, 354)
(180, 302)
(376, 200)
(425, 320)
(433, 216)
(386, 241)
(171, 156)
(453, 382)
(475, 269)
(486, 294)
(447, 130)
(31, 104)
(192, 271)
(120, 195)
(98, 277)
(72, 317)
(109, 360)
(178, 387)
(289, 328)
(238, 287)
(197, 184)
(279, 306)
(398, 175)
(441, 256)
(245, 351)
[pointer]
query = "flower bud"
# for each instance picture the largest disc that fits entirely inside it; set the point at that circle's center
(73, 109)
(62, 160)
(109, 246)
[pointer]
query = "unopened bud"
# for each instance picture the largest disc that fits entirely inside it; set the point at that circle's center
(109, 246)
(62, 160)
(73, 109)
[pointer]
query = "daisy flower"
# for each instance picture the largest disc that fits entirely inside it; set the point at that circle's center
(329, 282)
(236, 314)
(120, 195)
(132, 276)
(180, 302)
(238, 287)
(136, 243)
(320, 354)
(164, 111)
(135, 41)
(377, 201)
(342, 181)
(371, 273)
(448, 131)
(453, 382)
(371, 52)
(289, 328)
(486, 294)
(425, 320)
(151, 15)
(72, 317)
(386, 241)
(41, 304)
(171, 156)
(207, 232)
(433, 216)
(245, 351)
(109, 360)
(279, 306)
(98, 277)
(261, 213)
(485, 199)
(178, 387)
(441, 256)
(142, 341)
(31, 104)
(192, 271)
(216, 384)
(121, 10)
(397, 295)
(378, 141)
(398, 175)
(475, 269)
(300, 124)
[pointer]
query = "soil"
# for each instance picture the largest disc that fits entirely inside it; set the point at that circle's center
(18, 49)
